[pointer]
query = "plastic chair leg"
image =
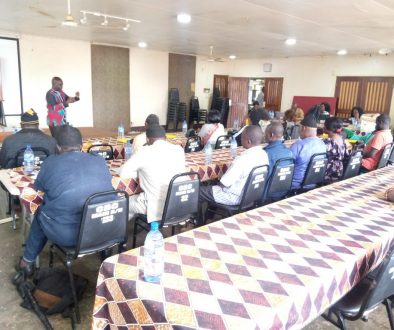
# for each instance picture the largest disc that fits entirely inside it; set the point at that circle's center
(73, 289)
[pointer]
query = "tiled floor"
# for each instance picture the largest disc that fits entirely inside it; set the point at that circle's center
(12, 316)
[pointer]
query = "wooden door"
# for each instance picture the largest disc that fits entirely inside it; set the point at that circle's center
(110, 87)
(376, 94)
(273, 93)
(373, 94)
(348, 94)
(221, 82)
(238, 89)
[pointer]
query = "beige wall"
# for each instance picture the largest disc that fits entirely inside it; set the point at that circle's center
(148, 85)
(41, 59)
(312, 76)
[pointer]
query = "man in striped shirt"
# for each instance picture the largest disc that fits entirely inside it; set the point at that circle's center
(229, 190)
(57, 102)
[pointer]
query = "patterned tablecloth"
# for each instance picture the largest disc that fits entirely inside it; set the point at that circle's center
(221, 161)
(276, 267)
(118, 145)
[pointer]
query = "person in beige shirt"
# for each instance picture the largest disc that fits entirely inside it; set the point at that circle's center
(140, 140)
(299, 113)
(154, 165)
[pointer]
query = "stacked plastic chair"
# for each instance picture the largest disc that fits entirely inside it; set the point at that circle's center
(182, 108)
(194, 110)
(202, 116)
(222, 104)
(173, 106)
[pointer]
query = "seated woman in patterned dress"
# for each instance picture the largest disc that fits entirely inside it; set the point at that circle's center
(336, 149)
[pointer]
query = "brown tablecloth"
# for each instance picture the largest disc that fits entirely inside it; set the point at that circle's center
(275, 267)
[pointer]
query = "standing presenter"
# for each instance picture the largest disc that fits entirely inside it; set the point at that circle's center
(57, 102)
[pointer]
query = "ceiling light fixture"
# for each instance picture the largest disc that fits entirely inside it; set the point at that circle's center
(291, 41)
(384, 51)
(126, 20)
(83, 20)
(105, 22)
(342, 52)
(142, 44)
(232, 57)
(183, 18)
(127, 26)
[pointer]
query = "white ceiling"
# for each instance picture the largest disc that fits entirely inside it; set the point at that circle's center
(247, 28)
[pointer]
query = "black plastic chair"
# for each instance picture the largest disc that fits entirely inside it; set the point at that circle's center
(223, 142)
(366, 296)
(314, 174)
(103, 225)
(391, 159)
(353, 165)
(181, 205)
(384, 158)
(279, 183)
(251, 194)
(104, 150)
(193, 144)
(40, 154)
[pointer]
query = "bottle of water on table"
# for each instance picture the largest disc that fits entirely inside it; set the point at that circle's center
(28, 160)
(153, 254)
(120, 131)
(128, 150)
(208, 153)
(184, 127)
(233, 147)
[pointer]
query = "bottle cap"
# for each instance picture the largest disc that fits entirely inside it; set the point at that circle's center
(154, 225)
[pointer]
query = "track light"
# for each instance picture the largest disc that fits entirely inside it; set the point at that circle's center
(105, 22)
(127, 26)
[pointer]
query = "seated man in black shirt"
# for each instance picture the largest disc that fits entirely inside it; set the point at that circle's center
(29, 134)
(67, 180)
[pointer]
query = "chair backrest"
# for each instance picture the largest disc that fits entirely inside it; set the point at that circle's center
(254, 187)
(316, 169)
(104, 222)
(281, 176)
(391, 159)
(193, 144)
(353, 165)
(182, 199)
(40, 154)
(384, 158)
(383, 286)
(104, 150)
(223, 142)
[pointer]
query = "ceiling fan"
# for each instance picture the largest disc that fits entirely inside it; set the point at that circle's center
(211, 58)
(69, 19)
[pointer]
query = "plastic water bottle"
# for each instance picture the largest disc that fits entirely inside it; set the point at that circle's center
(128, 150)
(184, 127)
(233, 147)
(208, 153)
(120, 131)
(28, 160)
(153, 254)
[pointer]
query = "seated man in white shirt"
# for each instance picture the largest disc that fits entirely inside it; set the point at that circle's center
(140, 140)
(229, 190)
(154, 165)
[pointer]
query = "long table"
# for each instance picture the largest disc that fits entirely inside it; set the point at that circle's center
(22, 185)
(276, 267)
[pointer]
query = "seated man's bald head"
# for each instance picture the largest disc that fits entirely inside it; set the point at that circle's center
(251, 136)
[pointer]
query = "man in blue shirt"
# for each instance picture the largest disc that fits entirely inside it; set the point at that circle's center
(304, 149)
(275, 150)
(67, 180)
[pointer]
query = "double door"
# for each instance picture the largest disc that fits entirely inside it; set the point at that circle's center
(237, 89)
